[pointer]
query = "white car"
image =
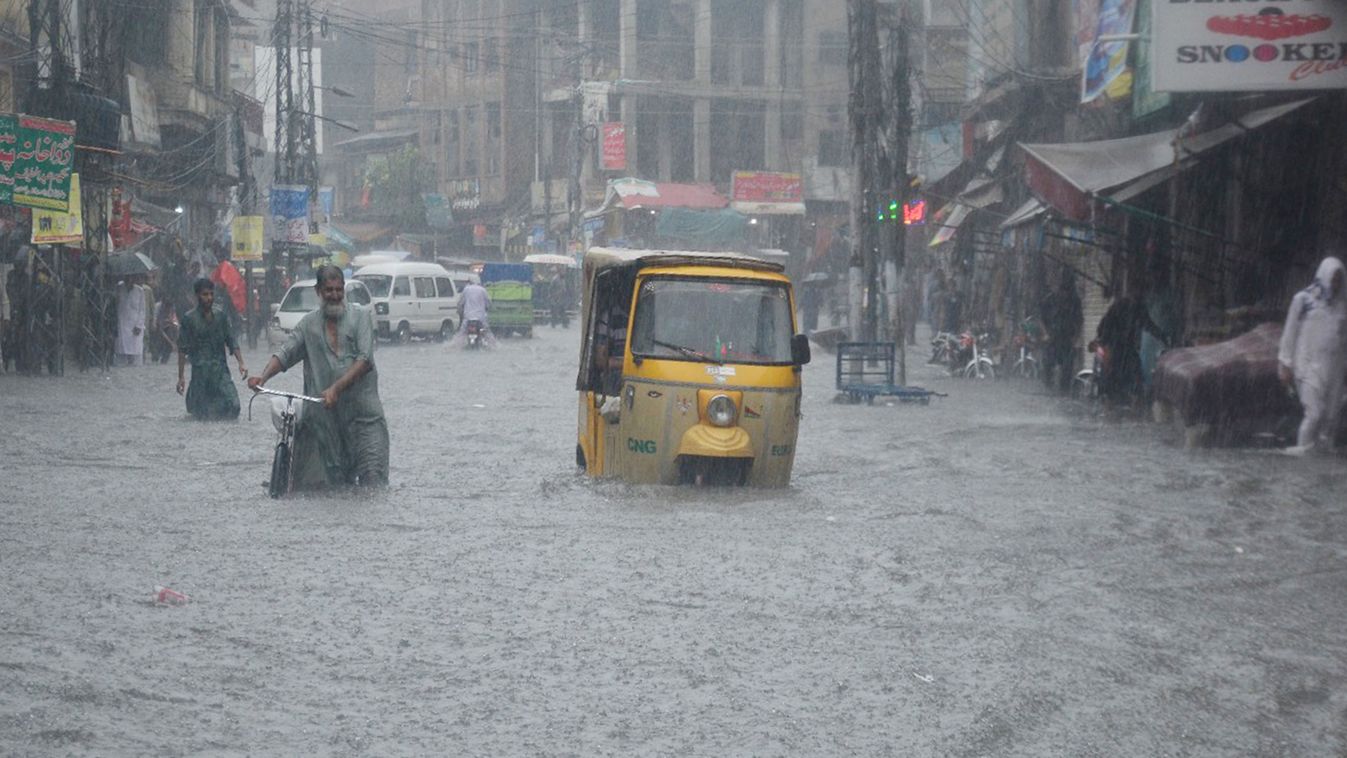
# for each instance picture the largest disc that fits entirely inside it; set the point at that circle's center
(300, 299)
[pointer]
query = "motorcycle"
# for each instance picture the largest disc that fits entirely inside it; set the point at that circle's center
(474, 331)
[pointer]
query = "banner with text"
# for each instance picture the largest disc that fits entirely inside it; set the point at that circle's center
(1223, 47)
(290, 213)
(248, 238)
(614, 146)
(57, 228)
(37, 158)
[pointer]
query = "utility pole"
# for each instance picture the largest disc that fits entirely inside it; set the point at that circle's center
(865, 110)
(900, 124)
(284, 142)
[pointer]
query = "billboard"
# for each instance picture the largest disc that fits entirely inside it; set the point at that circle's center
(246, 233)
(1222, 47)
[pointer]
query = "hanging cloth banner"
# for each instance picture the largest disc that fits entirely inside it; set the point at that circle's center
(57, 228)
(37, 159)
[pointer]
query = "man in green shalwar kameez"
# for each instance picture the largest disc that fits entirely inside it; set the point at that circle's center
(345, 441)
(205, 338)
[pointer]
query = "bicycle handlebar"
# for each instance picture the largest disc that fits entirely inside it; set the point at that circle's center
(291, 395)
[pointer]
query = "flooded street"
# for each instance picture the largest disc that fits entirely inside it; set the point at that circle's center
(998, 573)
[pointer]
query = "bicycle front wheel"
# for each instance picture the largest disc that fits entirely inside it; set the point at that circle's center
(280, 471)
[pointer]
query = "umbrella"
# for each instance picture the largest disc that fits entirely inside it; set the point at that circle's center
(130, 264)
(550, 259)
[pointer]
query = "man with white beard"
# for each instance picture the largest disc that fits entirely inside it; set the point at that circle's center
(346, 440)
(1313, 353)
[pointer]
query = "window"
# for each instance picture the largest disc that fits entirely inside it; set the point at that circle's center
(734, 321)
(490, 54)
(792, 120)
(832, 148)
(377, 284)
(470, 57)
(402, 287)
(832, 48)
(459, 284)
(444, 287)
(425, 286)
(493, 120)
(357, 294)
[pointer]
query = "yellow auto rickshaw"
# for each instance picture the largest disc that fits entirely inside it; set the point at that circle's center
(689, 368)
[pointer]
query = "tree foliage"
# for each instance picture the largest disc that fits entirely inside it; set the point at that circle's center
(396, 182)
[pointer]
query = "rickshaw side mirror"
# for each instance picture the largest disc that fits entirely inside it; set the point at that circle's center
(799, 349)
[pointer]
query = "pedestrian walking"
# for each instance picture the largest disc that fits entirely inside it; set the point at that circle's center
(206, 338)
(345, 441)
(164, 331)
(1313, 354)
(1063, 317)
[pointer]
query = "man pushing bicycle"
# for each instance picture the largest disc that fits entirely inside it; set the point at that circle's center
(346, 440)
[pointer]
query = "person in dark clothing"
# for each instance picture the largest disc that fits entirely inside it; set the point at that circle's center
(1120, 334)
(951, 313)
(1062, 317)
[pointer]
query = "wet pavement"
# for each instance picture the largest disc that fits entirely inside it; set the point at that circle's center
(997, 573)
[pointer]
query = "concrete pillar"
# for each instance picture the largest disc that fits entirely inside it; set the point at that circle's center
(773, 159)
(702, 46)
(628, 52)
(629, 107)
(771, 37)
(701, 138)
(666, 156)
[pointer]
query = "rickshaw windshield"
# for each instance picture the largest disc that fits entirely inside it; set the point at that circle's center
(716, 320)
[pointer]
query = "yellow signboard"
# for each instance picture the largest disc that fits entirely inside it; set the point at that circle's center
(248, 238)
(57, 228)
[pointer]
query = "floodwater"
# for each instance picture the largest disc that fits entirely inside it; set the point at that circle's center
(995, 574)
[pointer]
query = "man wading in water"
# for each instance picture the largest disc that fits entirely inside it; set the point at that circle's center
(345, 441)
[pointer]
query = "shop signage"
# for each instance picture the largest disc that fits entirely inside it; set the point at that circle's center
(247, 236)
(465, 194)
(614, 146)
(37, 158)
(766, 187)
(57, 228)
(1103, 63)
(1225, 47)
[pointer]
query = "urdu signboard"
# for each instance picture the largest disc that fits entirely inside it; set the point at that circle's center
(37, 158)
(1240, 47)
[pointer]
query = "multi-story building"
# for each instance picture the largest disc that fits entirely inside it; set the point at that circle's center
(702, 89)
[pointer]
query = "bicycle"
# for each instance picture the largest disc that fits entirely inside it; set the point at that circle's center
(1026, 367)
(285, 418)
(980, 364)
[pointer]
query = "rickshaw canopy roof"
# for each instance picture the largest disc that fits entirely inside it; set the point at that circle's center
(599, 258)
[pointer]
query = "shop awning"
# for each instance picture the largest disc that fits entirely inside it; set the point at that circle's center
(768, 209)
(1067, 175)
(355, 232)
(631, 194)
(1024, 214)
(947, 221)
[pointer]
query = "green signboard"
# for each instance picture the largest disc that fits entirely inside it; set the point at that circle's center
(37, 157)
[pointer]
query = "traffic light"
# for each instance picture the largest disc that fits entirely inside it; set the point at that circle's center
(911, 213)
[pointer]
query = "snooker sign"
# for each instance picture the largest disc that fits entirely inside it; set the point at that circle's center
(1203, 46)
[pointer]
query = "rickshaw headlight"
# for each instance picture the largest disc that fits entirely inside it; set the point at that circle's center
(721, 411)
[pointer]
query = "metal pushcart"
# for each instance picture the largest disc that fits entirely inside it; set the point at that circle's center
(865, 371)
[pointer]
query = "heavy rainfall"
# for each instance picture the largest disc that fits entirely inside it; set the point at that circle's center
(673, 377)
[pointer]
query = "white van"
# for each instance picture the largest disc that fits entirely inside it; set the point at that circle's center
(411, 299)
